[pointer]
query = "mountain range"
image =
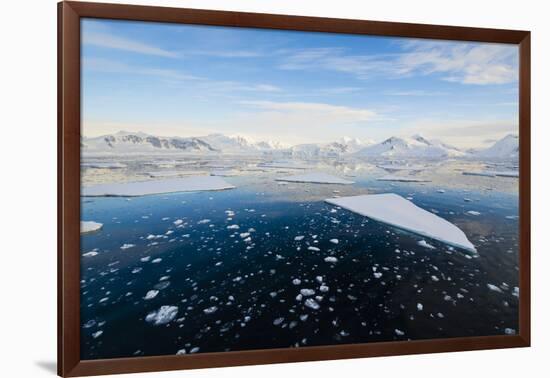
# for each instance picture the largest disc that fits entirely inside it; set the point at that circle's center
(413, 147)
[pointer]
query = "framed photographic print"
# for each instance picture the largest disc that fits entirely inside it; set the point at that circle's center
(239, 188)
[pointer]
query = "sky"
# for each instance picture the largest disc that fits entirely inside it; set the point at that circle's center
(293, 87)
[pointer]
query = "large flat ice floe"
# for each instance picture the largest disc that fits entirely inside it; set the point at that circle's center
(492, 173)
(315, 178)
(143, 188)
(89, 226)
(396, 211)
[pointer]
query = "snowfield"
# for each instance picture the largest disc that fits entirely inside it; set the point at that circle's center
(143, 188)
(396, 211)
(316, 178)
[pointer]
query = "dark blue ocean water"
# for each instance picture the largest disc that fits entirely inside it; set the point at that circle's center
(245, 282)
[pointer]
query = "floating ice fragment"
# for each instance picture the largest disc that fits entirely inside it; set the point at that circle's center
(89, 226)
(95, 335)
(164, 315)
(210, 310)
(142, 188)
(316, 178)
(396, 211)
(151, 294)
(296, 281)
(472, 212)
(90, 254)
(298, 238)
(398, 332)
(331, 259)
(177, 222)
(315, 249)
(509, 331)
(419, 306)
(425, 244)
(311, 303)
(494, 288)
(127, 246)
(278, 321)
(233, 227)
(307, 292)
(334, 241)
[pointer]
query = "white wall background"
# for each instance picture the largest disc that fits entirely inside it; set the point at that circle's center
(28, 200)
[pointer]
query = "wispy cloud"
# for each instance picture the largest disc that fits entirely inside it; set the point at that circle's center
(176, 77)
(345, 112)
(112, 66)
(106, 40)
(466, 63)
(415, 93)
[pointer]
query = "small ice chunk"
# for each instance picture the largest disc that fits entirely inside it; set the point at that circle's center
(177, 222)
(472, 212)
(334, 241)
(164, 315)
(210, 310)
(299, 237)
(127, 246)
(90, 254)
(419, 306)
(278, 321)
(95, 335)
(233, 227)
(398, 332)
(509, 331)
(307, 292)
(494, 288)
(311, 303)
(151, 294)
(315, 249)
(296, 281)
(425, 244)
(331, 259)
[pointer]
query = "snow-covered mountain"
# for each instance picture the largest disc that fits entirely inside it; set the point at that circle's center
(345, 146)
(125, 142)
(141, 143)
(416, 146)
(505, 148)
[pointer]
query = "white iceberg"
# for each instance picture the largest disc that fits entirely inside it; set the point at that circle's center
(89, 226)
(143, 188)
(316, 178)
(402, 178)
(396, 211)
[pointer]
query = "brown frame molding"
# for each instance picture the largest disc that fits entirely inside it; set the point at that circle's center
(69, 14)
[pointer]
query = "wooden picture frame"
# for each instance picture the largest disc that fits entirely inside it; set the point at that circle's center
(69, 113)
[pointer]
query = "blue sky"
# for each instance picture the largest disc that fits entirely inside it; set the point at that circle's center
(294, 87)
